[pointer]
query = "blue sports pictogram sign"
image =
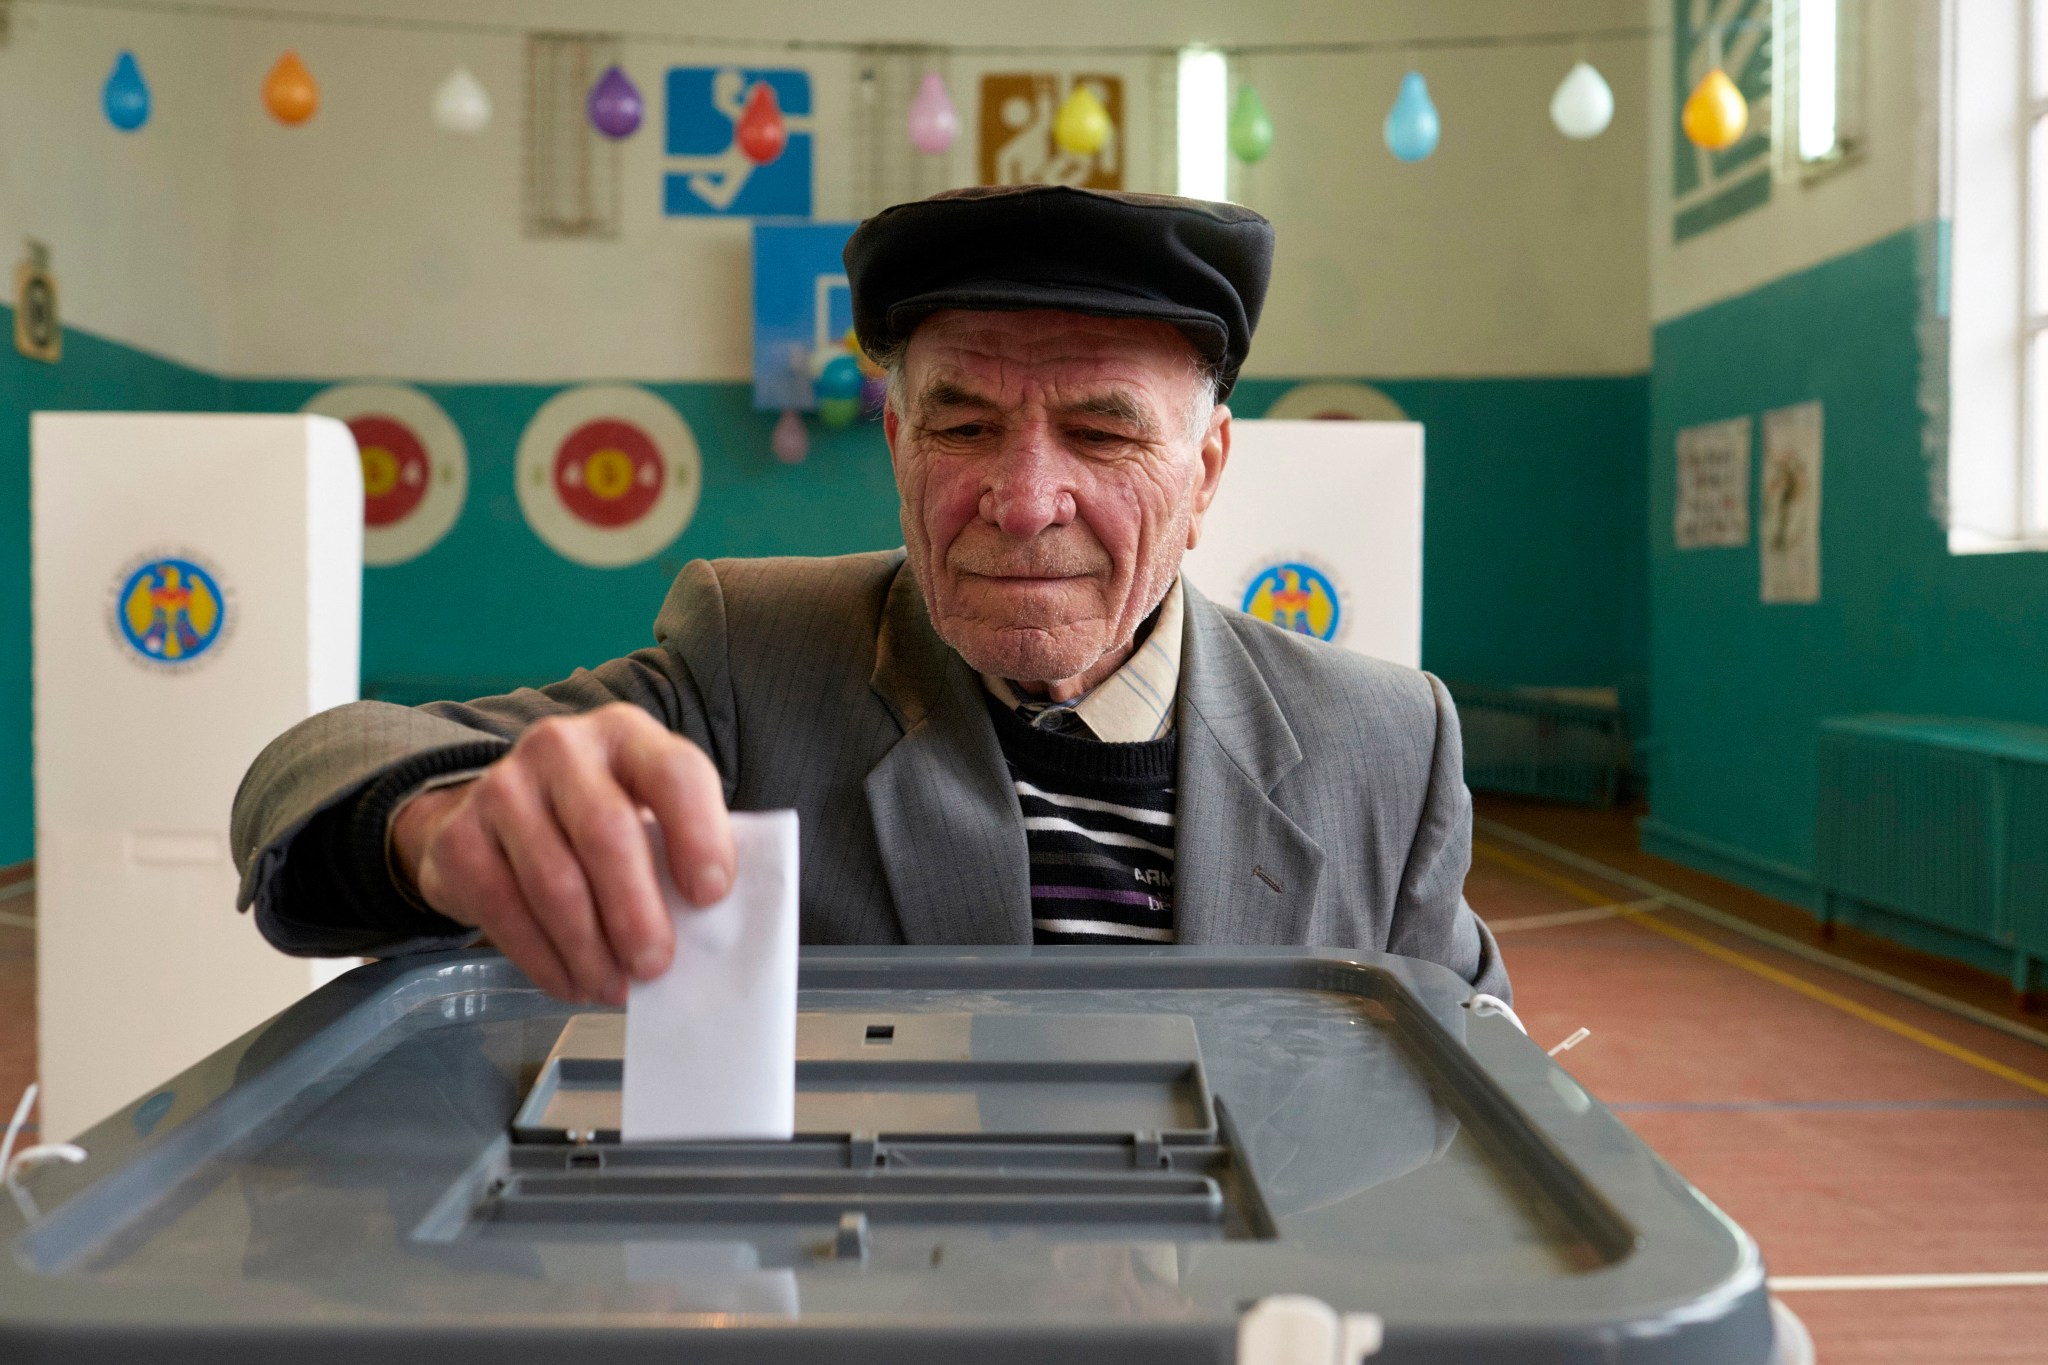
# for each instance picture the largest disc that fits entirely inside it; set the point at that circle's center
(707, 173)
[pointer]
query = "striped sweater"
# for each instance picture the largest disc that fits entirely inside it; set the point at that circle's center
(1098, 821)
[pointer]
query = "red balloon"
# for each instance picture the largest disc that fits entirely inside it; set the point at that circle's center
(761, 133)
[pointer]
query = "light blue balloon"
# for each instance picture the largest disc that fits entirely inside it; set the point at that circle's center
(1412, 126)
(125, 96)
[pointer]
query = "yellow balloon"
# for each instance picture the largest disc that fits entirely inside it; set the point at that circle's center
(1715, 113)
(1082, 125)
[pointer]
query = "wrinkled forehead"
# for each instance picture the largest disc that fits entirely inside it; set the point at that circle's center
(1010, 353)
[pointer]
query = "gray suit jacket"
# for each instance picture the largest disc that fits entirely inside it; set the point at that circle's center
(1321, 797)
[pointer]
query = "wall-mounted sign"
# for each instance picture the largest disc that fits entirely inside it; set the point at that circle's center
(415, 468)
(1712, 506)
(1017, 146)
(608, 474)
(707, 170)
(1789, 523)
(802, 305)
(37, 333)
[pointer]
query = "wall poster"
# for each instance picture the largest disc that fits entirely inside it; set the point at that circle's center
(1017, 147)
(1712, 507)
(1789, 523)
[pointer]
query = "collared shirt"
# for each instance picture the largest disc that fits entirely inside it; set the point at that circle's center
(1131, 705)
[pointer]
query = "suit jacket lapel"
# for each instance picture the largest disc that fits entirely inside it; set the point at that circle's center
(946, 817)
(1244, 871)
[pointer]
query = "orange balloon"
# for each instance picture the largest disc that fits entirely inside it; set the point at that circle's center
(289, 92)
(1715, 113)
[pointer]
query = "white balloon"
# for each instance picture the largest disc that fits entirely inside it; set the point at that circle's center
(462, 105)
(1583, 105)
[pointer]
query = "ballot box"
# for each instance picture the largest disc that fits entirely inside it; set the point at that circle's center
(1317, 528)
(1125, 1155)
(197, 590)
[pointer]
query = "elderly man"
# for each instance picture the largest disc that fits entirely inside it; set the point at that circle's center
(1024, 727)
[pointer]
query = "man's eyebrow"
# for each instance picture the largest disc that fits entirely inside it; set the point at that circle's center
(944, 393)
(1116, 406)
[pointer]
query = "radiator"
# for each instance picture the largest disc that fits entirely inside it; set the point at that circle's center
(1940, 821)
(1561, 744)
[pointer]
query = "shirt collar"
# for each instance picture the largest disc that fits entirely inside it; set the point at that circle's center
(1131, 705)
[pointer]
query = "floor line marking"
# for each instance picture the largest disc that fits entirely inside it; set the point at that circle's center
(1558, 919)
(25, 887)
(17, 921)
(1776, 975)
(1825, 1106)
(1735, 924)
(2019, 1279)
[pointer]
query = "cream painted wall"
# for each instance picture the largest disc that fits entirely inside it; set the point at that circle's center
(135, 222)
(368, 244)
(1891, 185)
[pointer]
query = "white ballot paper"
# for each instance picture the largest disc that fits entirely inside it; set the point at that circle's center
(711, 1042)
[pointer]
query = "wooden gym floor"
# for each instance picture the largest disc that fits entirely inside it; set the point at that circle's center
(1890, 1156)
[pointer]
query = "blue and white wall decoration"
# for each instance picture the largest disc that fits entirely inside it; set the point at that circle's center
(707, 173)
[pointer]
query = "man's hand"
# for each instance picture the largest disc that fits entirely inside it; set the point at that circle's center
(545, 851)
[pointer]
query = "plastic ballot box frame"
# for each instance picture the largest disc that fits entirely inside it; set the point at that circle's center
(1094, 1155)
(1317, 527)
(197, 590)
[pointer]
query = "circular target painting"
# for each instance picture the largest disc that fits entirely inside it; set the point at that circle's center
(608, 474)
(415, 469)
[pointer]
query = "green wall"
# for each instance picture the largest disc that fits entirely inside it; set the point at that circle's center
(1737, 687)
(1533, 566)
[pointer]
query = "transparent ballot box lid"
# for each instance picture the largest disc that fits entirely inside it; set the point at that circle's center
(1119, 1155)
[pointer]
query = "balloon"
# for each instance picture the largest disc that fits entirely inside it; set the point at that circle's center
(1251, 127)
(615, 106)
(1583, 105)
(933, 125)
(867, 367)
(790, 442)
(1082, 124)
(1715, 113)
(840, 378)
(761, 133)
(839, 412)
(289, 91)
(125, 96)
(461, 104)
(1412, 125)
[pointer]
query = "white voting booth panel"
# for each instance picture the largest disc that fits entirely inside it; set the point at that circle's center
(197, 589)
(1318, 528)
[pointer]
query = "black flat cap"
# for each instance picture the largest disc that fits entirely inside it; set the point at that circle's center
(1004, 248)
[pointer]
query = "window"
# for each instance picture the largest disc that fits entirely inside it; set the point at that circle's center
(1819, 117)
(1995, 205)
(1203, 122)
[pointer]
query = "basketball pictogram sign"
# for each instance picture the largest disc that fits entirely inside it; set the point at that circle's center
(608, 474)
(415, 468)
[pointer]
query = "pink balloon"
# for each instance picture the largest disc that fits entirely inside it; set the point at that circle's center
(933, 124)
(790, 441)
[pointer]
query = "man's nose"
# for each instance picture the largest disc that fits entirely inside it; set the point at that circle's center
(1027, 491)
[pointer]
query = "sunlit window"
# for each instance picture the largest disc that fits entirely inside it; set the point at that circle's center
(1203, 119)
(1995, 192)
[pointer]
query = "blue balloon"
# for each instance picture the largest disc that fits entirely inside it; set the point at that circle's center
(840, 378)
(1412, 126)
(126, 95)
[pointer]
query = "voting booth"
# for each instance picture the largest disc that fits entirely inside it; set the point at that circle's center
(1114, 1156)
(1317, 528)
(197, 590)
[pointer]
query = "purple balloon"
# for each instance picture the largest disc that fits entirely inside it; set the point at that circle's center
(615, 104)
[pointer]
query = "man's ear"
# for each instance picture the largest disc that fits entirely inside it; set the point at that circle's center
(1215, 454)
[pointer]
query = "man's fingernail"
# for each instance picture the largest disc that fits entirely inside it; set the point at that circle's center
(712, 884)
(649, 964)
